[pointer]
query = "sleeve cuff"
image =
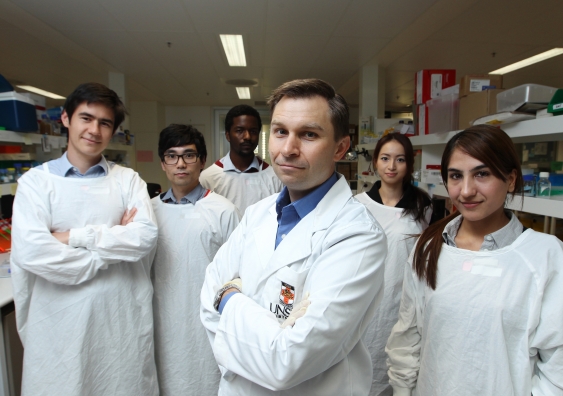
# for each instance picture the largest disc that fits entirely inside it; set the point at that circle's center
(224, 300)
(78, 237)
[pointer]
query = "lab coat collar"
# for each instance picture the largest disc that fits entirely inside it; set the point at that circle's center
(297, 244)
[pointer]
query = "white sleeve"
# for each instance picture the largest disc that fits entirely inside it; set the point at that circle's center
(122, 243)
(343, 282)
(403, 345)
(548, 336)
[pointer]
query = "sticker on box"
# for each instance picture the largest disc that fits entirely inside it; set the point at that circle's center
(477, 85)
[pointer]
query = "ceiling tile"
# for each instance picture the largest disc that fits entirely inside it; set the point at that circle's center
(346, 52)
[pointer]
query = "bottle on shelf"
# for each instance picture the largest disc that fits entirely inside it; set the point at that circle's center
(544, 185)
(529, 185)
(11, 173)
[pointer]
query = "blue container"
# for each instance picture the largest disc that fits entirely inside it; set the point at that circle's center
(17, 112)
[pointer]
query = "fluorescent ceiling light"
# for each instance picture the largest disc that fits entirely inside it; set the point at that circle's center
(40, 92)
(530, 61)
(243, 92)
(234, 49)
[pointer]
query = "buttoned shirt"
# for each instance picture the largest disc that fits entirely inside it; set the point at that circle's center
(62, 167)
(192, 197)
(228, 165)
(291, 213)
(493, 241)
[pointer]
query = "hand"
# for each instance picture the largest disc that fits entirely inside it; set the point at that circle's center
(128, 216)
(297, 312)
(237, 282)
(62, 236)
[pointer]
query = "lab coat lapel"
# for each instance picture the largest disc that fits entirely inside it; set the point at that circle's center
(265, 236)
(297, 245)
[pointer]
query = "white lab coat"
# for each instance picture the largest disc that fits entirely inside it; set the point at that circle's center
(242, 189)
(336, 253)
(188, 238)
(84, 310)
(399, 230)
(493, 326)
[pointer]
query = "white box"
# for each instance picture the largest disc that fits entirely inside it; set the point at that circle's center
(527, 98)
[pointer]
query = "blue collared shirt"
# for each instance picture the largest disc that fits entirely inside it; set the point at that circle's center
(192, 197)
(228, 165)
(62, 167)
(291, 213)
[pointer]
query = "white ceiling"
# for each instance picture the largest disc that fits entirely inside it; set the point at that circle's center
(56, 45)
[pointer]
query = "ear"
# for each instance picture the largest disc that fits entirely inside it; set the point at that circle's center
(162, 165)
(202, 160)
(341, 148)
(227, 136)
(512, 181)
(65, 119)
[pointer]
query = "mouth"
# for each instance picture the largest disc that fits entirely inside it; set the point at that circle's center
(91, 141)
(180, 174)
(391, 174)
(470, 205)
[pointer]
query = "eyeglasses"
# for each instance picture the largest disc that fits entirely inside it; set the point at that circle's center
(172, 159)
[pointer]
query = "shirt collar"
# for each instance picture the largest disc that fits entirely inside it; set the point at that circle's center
(67, 167)
(229, 166)
(309, 202)
(192, 197)
(493, 241)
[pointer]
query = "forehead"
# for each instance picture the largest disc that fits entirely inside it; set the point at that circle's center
(299, 111)
(393, 147)
(463, 161)
(182, 149)
(97, 110)
(246, 121)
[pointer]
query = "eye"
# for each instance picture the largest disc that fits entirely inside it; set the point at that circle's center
(190, 156)
(170, 156)
(454, 176)
(401, 160)
(280, 131)
(310, 135)
(482, 174)
(383, 158)
(255, 132)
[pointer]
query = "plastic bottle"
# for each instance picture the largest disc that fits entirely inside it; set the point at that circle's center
(544, 185)
(11, 173)
(529, 185)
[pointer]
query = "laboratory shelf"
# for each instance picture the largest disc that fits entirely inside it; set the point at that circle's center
(552, 207)
(120, 147)
(30, 138)
(538, 130)
(8, 188)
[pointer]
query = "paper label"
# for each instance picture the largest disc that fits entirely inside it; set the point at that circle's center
(435, 85)
(558, 106)
(477, 85)
(486, 267)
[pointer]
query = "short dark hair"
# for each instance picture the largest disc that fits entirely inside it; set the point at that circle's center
(96, 93)
(308, 88)
(178, 135)
(239, 110)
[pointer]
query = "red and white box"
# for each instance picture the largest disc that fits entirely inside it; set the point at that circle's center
(421, 120)
(429, 83)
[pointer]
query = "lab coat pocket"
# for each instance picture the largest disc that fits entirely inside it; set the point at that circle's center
(284, 290)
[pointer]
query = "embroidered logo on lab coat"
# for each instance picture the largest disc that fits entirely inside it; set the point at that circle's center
(285, 303)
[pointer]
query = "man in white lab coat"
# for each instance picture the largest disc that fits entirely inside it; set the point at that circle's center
(313, 239)
(83, 230)
(240, 176)
(193, 224)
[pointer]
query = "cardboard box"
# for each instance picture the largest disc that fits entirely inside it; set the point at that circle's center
(421, 120)
(429, 83)
(473, 83)
(476, 105)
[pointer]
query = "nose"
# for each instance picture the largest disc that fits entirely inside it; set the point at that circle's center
(392, 165)
(468, 187)
(181, 163)
(246, 135)
(94, 128)
(290, 146)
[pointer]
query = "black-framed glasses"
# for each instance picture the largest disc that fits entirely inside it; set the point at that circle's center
(172, 159)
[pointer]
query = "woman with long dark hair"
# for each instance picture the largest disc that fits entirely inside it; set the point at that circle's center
(481, 311)
(403, 211)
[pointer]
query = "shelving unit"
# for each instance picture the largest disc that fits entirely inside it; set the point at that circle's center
(539, 130)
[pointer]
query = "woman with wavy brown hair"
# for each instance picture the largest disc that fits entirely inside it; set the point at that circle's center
(481, 310)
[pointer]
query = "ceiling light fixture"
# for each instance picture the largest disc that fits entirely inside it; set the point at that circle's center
(234, 49)
(530, 61)
(243, 92)
(40, 92)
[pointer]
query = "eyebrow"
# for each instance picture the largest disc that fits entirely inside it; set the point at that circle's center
(186, 151)
(479, 167)
(310, 125)
(99, 119)
(398, 155)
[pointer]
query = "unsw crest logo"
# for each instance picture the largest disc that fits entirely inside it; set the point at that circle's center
(286, 299)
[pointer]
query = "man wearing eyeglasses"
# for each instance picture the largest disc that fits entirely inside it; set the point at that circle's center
(240, 176)
(193, 224)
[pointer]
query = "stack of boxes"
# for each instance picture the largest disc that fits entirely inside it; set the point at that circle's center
(428, 86)
(478, 97)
